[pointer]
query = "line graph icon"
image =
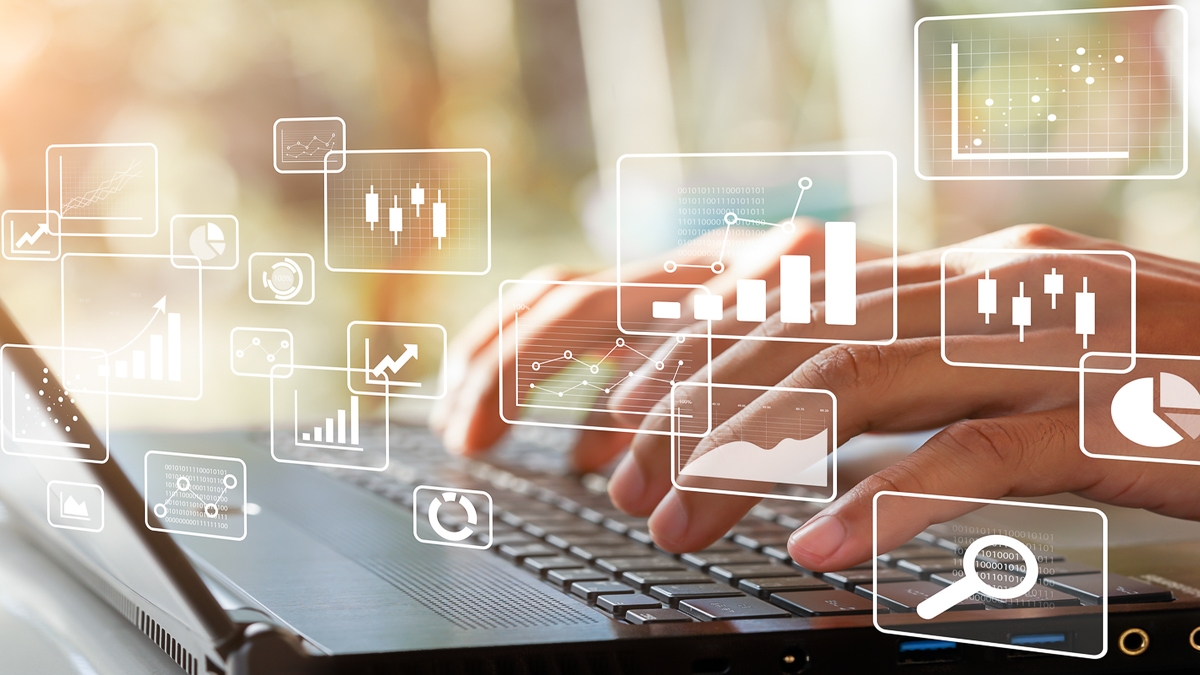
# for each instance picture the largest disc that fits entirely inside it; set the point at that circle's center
(1098, 93)
(317, 420)
(409, 211)
(31, 235)
(210, 241)
(41, 418)
(300, 144)
(196, 495)
(699, 214)
(255, 352)
(401, 360)
(569, 373)
(103, 189)
(143, 314)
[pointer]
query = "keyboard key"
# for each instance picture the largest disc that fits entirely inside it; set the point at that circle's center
(644, 580)
(518, 552)
(645, 616)
(601, 538)
(912, 552)
(617, 605)
(777, 553)
(672, 594)
(704, 560)
(590, 590)
(923, 567)
(763, 587)
(850, 578)
(564, 578)
(618, 565)
(732, 574)
(574, 526)
(1121, 590)
(625, 550)
(904, 596)
(513, 538)
(724, 609)
(542, 565)
(758, 540)
(1040, 596)
(822, 603)
(640, 535)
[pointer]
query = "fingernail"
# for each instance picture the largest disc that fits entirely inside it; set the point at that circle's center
(627, 487)
(818, 539)
(669, 523)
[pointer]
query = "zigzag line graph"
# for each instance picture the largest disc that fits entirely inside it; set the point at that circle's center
(106, 189)
(307, 150)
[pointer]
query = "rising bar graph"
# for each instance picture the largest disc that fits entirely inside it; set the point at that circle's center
(154, 355)
(337, 433)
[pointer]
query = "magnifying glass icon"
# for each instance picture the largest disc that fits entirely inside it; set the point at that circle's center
(971, 584)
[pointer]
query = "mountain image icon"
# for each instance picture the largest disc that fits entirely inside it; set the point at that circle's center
(790, 462)
(75, 510)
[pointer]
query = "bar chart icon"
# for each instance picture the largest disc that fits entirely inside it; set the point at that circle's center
(706, 217)
(143, 314)
(317, 420)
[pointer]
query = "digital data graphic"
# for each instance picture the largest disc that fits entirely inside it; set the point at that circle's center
(255, 352)
(403, 360)
(409, 212)
(301, 144)
(1149, 412)
(31, 235)
(75, 506)
(770, 442)
(43, 418)
(196, 495)
(103, 189)
(449, 516)
(208, 241)
(575, 372)
(1036, 309)
(1006, 555)
(693, 215)
(144, 316)
(317, 420)
(1097, 93)
(282, 278)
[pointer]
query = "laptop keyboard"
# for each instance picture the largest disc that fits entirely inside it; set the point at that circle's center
(565, 531)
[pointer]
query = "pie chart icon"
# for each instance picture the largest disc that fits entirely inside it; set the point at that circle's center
(1135, 416)
(207, 241)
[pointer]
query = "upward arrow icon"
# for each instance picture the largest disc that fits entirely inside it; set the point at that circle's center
(394, 365)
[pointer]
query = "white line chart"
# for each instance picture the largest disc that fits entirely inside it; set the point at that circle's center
(105, 190)
(571, 369)
(257, 345)
(297, 148)
(183, 486)
(730, 219)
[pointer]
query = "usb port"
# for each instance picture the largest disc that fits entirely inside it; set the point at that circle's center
(1038, 641)
(928, 651)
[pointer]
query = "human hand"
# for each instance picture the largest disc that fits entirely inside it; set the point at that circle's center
(1007, 432)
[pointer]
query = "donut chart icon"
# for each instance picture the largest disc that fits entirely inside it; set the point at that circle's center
(1135, 415)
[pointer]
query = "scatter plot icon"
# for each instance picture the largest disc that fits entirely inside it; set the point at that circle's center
(196, 495)
(1053, 95)
(40, 414)
(255, 352)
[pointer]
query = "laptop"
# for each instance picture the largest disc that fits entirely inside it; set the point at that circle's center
(337, 570)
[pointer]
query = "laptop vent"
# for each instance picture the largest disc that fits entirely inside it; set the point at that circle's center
(165, 642)
(137, 617)
(484, 599)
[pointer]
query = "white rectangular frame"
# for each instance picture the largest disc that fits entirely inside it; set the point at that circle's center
(49, 504)
(455, 544)
(234, 350)
(146, 494)
(152, 146)
(1132, 355)
(104, 438)
(275, 143)
(410, 151)
(991, 502)
(831, 458)
(765, 338)
(387, 427)
(582, 427)
(6, 236)
(441, 377)
(918, 119)
(312, 273)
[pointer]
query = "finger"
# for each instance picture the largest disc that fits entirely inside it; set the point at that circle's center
(689, 521)
(1030, 454)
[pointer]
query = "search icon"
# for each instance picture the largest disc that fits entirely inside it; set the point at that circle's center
(971, 584)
